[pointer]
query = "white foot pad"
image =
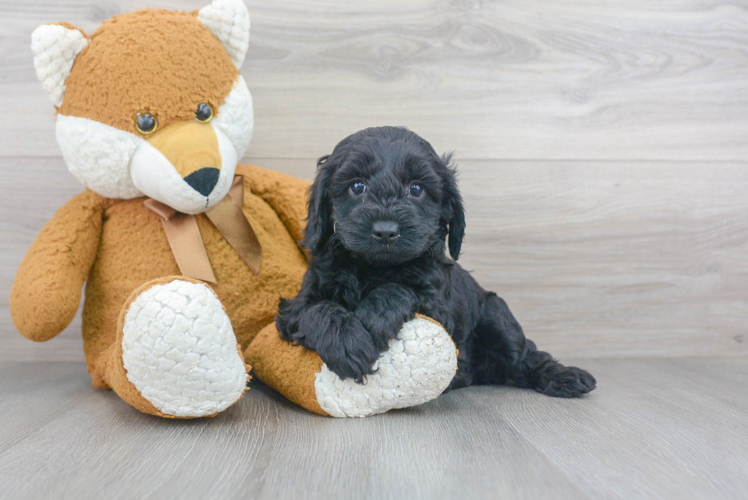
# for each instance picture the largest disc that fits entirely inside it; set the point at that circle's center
(180, 351)
(417, 368)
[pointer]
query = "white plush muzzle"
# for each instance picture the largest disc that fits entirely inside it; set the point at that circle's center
(156, 177)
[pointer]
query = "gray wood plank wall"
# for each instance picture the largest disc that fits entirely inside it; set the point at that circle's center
(602, 148)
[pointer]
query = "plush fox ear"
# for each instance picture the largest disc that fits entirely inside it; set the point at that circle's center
(55, 47)
(229, 22)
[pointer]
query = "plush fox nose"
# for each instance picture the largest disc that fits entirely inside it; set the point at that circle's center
(385, 231)
(204, 180)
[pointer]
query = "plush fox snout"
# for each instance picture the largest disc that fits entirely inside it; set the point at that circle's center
(187, 165)
(192, 148)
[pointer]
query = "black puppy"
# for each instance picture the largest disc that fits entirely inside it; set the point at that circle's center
(380, 209)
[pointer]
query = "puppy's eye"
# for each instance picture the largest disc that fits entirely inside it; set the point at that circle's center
(358, 188)
(416, 190)
(204, 112)
(146, 123)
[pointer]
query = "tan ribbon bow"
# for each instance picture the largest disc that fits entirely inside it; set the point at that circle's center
(186, 242)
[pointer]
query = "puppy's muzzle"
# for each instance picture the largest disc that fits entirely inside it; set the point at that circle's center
(385, 231)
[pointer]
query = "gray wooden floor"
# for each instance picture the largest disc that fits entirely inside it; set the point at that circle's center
(653, 429)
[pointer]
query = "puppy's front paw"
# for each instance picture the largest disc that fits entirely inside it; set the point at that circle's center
(352, 354)
(568, 382)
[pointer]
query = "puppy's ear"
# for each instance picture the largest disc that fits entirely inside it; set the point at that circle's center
(453, 211)
(319, 227)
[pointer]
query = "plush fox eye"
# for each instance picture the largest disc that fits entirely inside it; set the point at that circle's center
(204, 112)
(416, 190)
(146, 123)
(358, 188)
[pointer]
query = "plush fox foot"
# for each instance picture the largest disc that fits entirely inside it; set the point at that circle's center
(176, 354)
(417, 368)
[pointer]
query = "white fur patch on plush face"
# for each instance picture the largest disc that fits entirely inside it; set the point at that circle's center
(156, 177)
(417, 368)
(122, 165)
(99, 155)
(180, 351)
(235, 117)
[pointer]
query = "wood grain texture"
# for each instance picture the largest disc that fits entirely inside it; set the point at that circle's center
(603, 157)
(596, 259)
(622, 79)
(622, 256)
(653, 429)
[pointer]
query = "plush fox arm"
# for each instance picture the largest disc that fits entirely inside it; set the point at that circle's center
(287, 195)
(47, 289)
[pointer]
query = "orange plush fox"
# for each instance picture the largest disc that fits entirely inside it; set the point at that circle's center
(184, 253)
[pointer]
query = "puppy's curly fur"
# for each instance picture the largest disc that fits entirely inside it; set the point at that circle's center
(381, 207)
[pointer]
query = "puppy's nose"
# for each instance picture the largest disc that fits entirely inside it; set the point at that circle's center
(204, 180)
(385, 231)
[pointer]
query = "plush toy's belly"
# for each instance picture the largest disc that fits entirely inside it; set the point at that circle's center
(134, 250)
